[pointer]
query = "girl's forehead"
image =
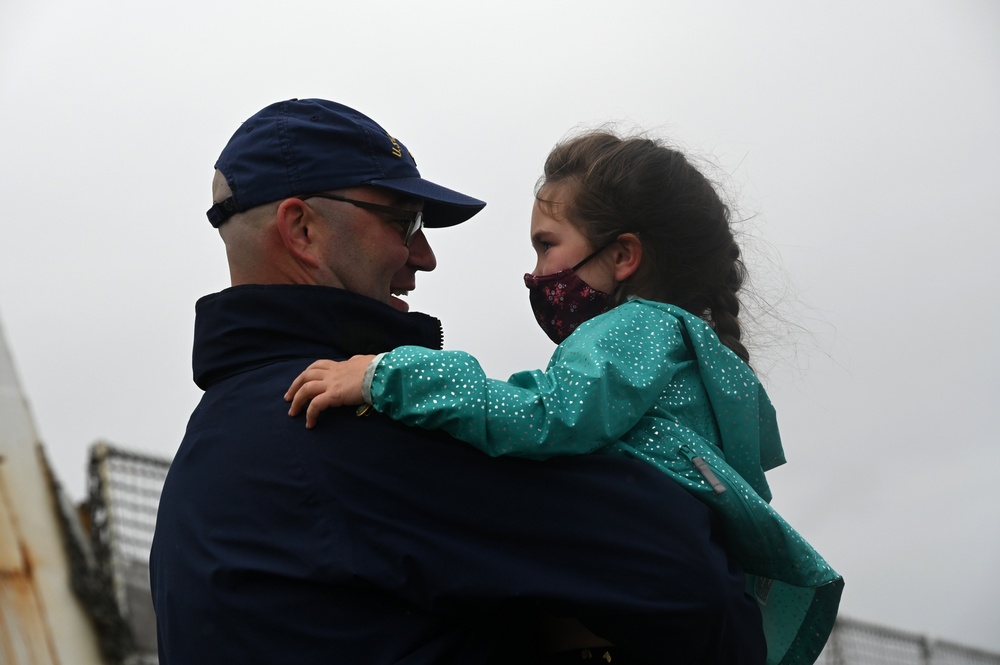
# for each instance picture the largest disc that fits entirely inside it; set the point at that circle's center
(556, 192)
(552, 201)
(547, 214)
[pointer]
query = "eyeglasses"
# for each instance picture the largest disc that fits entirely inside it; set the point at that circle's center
(411, 220)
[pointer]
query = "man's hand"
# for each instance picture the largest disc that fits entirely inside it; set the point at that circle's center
(327, 383)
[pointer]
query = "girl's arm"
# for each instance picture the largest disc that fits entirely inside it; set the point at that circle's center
(596, 387)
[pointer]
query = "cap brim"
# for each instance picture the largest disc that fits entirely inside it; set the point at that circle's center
(442, 206)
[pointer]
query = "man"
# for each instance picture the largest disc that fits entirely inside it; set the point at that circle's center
(364, 541)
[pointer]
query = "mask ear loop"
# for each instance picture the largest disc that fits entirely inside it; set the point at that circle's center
(616, 294)
(593, 254)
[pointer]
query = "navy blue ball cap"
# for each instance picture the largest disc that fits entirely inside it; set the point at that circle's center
(308, 146)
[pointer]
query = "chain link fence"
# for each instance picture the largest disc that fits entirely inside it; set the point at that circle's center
(125, 490)
(856, 642)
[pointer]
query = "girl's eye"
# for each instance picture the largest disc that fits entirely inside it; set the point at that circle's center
(541, 245)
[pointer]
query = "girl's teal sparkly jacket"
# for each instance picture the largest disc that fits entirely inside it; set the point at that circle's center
(652, 381)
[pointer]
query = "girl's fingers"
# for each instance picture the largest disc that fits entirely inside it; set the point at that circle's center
(316, 406)
(311, 414)
(297, 384)
(315, 372)
(302, 395)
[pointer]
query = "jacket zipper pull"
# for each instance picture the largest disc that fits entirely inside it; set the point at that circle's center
(709, 475)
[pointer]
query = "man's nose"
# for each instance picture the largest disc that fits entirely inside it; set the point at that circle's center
(421, 255)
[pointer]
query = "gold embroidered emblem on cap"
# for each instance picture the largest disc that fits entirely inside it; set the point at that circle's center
(396, 150)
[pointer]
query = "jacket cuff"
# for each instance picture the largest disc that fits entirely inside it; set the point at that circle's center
(366, 384)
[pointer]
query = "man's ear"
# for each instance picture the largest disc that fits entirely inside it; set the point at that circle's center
(299, 228)
(628, 256)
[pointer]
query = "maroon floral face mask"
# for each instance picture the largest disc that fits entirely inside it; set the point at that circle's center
(562, 301)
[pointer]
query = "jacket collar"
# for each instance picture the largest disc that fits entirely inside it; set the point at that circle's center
(253, 325)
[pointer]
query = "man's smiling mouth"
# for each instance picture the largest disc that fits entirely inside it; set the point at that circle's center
(399, 304)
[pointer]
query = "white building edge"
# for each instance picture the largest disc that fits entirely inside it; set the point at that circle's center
(42, 621)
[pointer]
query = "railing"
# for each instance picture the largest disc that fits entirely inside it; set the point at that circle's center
(124, 489)
(856, 642)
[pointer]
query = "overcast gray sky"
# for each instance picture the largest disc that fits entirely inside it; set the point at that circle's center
(859, 139)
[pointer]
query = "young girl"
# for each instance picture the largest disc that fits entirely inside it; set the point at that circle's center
(637, 280)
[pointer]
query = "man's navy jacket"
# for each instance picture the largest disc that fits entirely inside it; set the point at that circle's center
(364, 541)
